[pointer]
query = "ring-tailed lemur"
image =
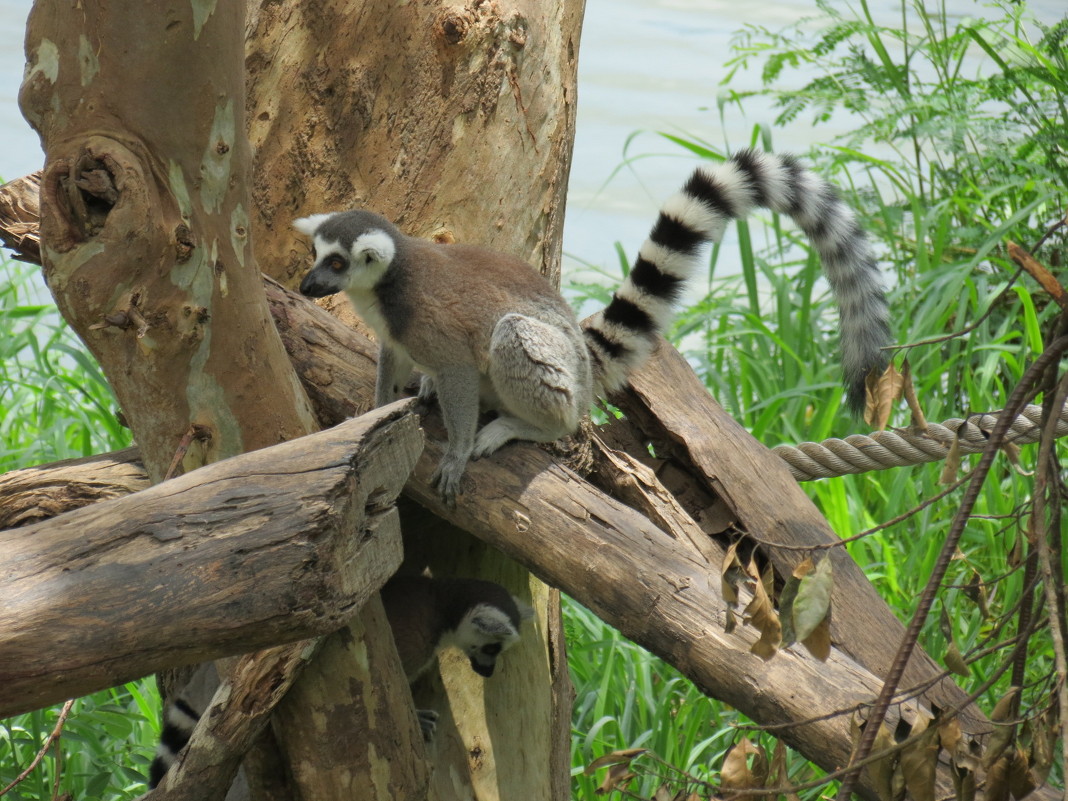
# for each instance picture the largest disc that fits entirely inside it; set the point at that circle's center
(481, 324)
(480, 618)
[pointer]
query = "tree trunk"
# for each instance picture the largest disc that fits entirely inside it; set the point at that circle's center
(147, 245)
(454, 121)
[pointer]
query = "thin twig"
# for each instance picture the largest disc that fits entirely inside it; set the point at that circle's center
(53, 737)
(949, 547)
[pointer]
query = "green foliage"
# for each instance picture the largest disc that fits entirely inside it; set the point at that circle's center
(106, 743)
(959, 149)
(56, 403)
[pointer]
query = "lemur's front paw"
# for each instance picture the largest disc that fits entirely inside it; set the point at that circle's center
(427, 395)
(447, 478)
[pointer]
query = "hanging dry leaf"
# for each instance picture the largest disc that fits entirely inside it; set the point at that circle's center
(997, 778)
(818, 642)
(908, 390)
(919, 761)
(813, 600)
(761, 614)
(1012, 453)
(975, 589)
(1021, 779)
(954, 661)
(739, 773)
(952, 465)
(730, 574)
(963, 782)
(663, 793)
(880, 394)
(778, 774)
(1004, 733)
(949, 735)
(881, 771)
(615, 779)
(1043, 737)
(622, 757)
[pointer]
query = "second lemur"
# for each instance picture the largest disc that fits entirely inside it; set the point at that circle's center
(426, 615)
(485, 326)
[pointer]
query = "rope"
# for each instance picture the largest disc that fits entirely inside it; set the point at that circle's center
(859, 453)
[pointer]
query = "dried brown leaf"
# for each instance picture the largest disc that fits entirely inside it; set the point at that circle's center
(728, 574)
(731, 621)
(818, 642)
(621, 757)
(919, 761)
(963, 782)
(954, 661)
(880, 394)
(1022, 780)
(1012, 453)
(616, 777)
(881, 771)
(949, 735)
(975, 589)
(762, 615)
(952, 466)
(738, 773)
(1004, 733)
(908, 390)
(997, 778)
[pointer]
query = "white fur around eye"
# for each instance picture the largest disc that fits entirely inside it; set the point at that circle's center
(376, 244)
(324, 248)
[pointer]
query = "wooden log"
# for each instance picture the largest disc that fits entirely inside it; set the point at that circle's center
(715, 453)
(39, 493)
(260, 549)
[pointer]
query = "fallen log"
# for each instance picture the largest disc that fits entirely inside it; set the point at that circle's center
(290, 541)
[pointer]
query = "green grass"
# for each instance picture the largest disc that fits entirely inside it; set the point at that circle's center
(56, 401)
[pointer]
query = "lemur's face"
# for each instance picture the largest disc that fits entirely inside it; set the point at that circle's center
(484, 634)
(350, 250)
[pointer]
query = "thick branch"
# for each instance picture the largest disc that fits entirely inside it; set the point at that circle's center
(290, 540)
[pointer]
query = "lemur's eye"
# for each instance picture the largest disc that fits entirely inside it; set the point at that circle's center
(335, 263)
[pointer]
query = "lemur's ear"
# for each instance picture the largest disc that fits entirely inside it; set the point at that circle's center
(309, 225)
(373, 247)
(525, 612)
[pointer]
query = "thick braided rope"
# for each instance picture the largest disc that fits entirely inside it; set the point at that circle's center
(859, 453)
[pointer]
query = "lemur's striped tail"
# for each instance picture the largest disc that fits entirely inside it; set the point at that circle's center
(179, 721)
(622, 336)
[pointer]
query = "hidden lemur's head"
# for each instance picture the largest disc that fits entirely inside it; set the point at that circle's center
(488, 627)
(352, 250)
